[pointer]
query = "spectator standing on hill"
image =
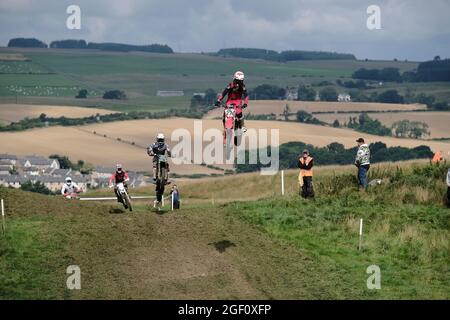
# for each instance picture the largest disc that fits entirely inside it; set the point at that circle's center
(362, 162)
(305, 163)
(437, 158)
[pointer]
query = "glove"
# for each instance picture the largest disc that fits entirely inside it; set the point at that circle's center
(217, 104)
(244, 106)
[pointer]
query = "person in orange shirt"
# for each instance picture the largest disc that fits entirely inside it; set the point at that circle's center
(437, 158)
(305, 163)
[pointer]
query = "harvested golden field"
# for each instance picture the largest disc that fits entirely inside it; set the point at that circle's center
(438, 122)
(142, 132)
(277, 107)
(82, 143)
(16, 112)
(78, 144)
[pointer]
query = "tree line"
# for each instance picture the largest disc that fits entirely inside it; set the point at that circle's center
(336, 154)
(82, 44)
(435, 70)
(44, 121)
(283, 56)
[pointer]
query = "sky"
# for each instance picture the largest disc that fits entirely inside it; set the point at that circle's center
(416, 30)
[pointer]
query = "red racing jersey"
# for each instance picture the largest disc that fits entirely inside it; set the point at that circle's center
(119, 177)
(236, 94)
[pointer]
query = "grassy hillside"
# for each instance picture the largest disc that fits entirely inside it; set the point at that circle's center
(277, 247)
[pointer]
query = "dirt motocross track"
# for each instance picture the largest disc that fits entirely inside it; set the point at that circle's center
(197, 254)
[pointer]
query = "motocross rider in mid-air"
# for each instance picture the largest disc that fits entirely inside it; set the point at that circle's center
(159, 147)
(237, 96)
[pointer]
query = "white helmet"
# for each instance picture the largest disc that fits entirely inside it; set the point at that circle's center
(238, 75)
(160, 137)
(68, 180)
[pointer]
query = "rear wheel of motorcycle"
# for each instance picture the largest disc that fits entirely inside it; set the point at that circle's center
(128, 201)
(160, 183)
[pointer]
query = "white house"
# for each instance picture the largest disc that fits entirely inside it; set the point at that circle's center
(168, 93)
(344, 97)
(291, 93)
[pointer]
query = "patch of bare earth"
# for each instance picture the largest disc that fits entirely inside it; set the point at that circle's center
(194, 254)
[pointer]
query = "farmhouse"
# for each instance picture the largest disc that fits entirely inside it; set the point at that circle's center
(291, 93)
(162, 93)
(344, 97)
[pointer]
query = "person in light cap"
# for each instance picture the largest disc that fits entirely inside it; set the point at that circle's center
(362, 162)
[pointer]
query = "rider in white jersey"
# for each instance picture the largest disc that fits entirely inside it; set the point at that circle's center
(69, 187)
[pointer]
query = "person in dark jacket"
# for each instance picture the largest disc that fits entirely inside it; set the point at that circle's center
(305, 163)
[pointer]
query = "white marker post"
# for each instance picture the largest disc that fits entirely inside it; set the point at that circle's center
(172, 201)
(3, 216)
(162, 202)
(282, 182)
(360, 233)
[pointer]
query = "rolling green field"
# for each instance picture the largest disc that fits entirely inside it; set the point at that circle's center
(57, 75)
